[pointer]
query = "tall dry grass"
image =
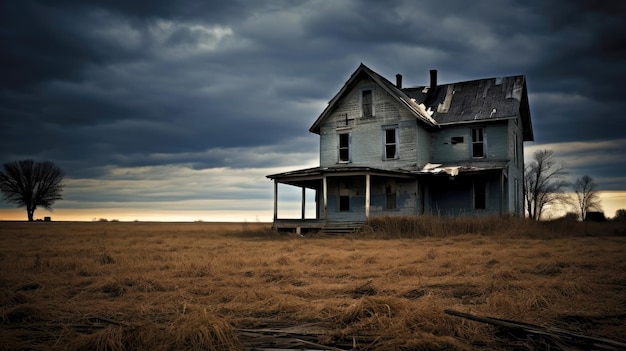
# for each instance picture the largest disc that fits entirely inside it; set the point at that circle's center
(437, 226)
(188, 286)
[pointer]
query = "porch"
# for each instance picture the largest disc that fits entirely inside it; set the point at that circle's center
(345, 196)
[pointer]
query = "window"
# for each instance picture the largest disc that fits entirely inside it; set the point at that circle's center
(366, 103)
(390, 196)
(344, 203)
(478, 142)
(391, 144)
(456, 140)
(344, 196)
(344, 147)
(480, 195)
(515, 152)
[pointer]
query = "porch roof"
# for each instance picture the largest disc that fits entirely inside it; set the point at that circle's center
(308, 176)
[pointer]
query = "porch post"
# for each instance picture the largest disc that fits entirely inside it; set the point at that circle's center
(417, 197)
(275, 199)
(367, 196)
(303, 200)
(325, 191)
(317, 204)
(501, 191)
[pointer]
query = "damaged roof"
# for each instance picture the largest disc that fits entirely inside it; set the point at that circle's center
(477, 101)
(453, 169)
(473, 101)
(309, 175)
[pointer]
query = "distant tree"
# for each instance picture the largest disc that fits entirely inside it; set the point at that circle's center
(587, 196)
(570, 216)
(544, 183)
(620, 215)
(595, 216)
(31, 184)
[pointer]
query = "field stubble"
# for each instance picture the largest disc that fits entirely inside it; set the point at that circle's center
(177, 286)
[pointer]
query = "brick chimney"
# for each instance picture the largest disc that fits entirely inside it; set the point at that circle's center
(399, 81)
(433, 79)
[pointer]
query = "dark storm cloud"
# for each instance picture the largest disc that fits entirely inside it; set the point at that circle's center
(95, 85)
(147, 95)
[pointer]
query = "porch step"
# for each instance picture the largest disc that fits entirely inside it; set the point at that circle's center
(340, 228)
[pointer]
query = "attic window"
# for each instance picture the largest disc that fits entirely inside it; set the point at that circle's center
(456, 140)
(366, 103)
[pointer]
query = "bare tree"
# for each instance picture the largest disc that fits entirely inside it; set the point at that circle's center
(544, 183)
(620, 215)
(587, 196)
(31, 184)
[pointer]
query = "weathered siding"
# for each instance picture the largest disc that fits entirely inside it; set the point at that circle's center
(445, 150)
(406, 198)
(424, 151)
(366, 144)
(451, 199)
(456, 197)
(494, 195)
(515, 169)
(496, 136)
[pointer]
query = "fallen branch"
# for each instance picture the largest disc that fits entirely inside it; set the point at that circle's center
(557, 337)
(294, 338)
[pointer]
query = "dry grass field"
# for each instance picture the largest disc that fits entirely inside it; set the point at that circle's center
(221, 286)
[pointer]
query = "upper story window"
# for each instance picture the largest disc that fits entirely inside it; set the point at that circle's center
(344, 147)
(478, 142)
(390, 141)
(367, 106)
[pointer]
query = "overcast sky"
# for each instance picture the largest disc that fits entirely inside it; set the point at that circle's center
(183, 106)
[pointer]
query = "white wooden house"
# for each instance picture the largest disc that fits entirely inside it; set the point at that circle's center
(451, 149)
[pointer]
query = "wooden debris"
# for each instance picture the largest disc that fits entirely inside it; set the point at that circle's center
(547, 337)
(305, 337)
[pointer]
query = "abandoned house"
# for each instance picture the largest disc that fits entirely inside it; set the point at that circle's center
(450, 149)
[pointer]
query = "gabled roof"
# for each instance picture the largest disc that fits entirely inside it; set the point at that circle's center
(413, 107)
(476, 101)
(479, 100)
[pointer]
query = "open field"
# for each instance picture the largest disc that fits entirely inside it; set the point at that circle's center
(189, 286)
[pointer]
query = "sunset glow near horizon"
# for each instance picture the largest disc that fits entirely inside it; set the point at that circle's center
(611, 201)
